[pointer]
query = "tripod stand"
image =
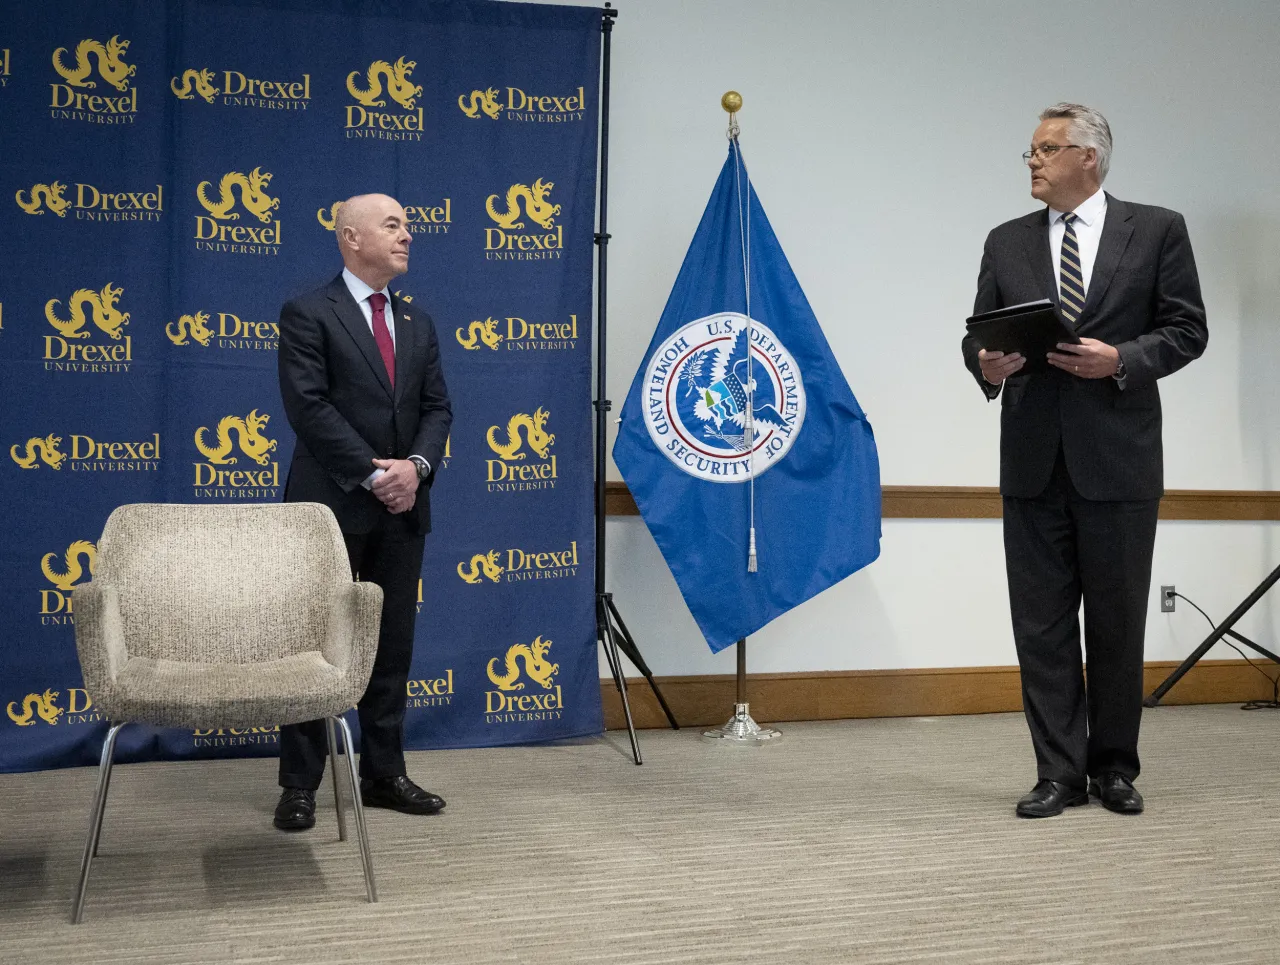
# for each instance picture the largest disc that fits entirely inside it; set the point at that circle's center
(1223, 630)
(610, 630)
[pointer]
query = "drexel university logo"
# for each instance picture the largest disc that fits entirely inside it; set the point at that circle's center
(383, 80)
(696, 392)
(506, 242)
(72, 349)
(544, 701)
(69, 100)
(252, 190)
(212, 481)
(92, 203)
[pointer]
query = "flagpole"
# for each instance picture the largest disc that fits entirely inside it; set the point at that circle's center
(741, 730)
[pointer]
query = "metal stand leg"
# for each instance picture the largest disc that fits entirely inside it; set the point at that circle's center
(1222, 630)
(608, 638)
(333, 773)
(366, 858)
(95, 821)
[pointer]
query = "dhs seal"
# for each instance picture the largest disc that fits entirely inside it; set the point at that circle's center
(696, 391)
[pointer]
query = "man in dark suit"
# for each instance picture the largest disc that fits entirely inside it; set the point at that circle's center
(1081, 463)
(364, 392)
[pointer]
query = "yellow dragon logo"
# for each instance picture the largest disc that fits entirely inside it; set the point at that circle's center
(481, 100)
(485, 564)
(536, 666)
(328, 217)
(252, 442)
(190, 327)
(111, 64)
(200, 80)
(485, 332)
(70, 560)
(398, 86)
(105, 315)
(253, 195)
(47, 448)
(535, 205)
(42, 704)
(539, 439)
(53, 199)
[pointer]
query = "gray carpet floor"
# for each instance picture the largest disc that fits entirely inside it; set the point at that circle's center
(853, 841)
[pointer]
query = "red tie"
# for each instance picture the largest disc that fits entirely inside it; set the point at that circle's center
(382, 335)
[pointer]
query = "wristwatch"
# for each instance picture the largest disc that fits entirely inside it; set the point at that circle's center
(424, 467)
(1120, 373)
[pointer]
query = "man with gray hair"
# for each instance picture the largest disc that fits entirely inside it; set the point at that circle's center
(1081, 459)
(363, 388)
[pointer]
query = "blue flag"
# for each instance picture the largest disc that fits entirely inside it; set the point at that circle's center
(717, 443)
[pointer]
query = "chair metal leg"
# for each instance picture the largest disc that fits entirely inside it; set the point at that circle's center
(333, 773)
(105, 791)
(95, 821)
(366, 858)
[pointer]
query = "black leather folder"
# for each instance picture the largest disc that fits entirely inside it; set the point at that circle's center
(1031, 329)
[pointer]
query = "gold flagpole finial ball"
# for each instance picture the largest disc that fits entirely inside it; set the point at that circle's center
(731, 101)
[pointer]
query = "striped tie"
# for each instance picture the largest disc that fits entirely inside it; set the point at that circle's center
(1070, 275)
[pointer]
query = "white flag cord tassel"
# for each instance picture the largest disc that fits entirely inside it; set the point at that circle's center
(749, 425)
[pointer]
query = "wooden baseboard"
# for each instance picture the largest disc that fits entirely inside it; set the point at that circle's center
(849, 694)
(983, 502)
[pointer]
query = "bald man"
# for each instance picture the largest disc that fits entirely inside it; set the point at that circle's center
(363, 390)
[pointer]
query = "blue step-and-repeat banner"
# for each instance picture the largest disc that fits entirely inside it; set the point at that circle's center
(169, 178)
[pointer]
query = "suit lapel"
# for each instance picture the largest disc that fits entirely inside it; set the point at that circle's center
(404, 343)
(1116, 231)
(1038, 255)
(352, 319)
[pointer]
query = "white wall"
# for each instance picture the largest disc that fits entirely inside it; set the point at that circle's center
(883, 139)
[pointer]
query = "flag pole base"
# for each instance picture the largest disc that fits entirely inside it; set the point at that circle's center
(742, 731)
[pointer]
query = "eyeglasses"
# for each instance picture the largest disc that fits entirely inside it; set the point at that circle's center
(1046, 151)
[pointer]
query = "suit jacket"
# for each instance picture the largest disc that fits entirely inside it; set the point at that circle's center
(341, 405)
(1144, 299)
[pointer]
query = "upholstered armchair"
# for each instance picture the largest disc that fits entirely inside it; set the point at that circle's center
(225, 616)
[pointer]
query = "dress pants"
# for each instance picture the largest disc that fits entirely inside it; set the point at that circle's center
(1061, 548)
(390, 556)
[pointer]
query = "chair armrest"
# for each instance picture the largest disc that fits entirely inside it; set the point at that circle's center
(99, 637)
(354, 620)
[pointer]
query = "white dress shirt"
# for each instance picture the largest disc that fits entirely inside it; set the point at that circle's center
(361, 292)
(1091, 214)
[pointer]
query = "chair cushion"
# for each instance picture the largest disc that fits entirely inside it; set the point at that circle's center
(168, 693)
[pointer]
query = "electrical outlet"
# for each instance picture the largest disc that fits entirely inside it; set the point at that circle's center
(1167, 599)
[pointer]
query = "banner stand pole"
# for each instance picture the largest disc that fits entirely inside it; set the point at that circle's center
(610, 630)
(741, 730)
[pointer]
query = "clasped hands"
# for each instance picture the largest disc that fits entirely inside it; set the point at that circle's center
(1091, 359)
(397, 487)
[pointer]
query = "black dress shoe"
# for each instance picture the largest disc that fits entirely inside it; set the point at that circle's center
(399, 794)
(1049, 798)
(296, 810)
(1117, 793)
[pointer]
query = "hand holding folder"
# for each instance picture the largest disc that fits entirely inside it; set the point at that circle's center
(1032, 330)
